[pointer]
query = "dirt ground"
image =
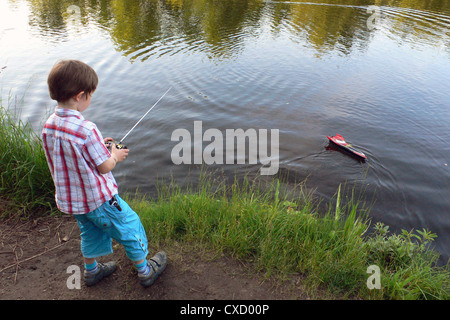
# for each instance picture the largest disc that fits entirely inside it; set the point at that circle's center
(35, 257)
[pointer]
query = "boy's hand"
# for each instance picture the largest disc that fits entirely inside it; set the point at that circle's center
(118, 154)
(107, 139)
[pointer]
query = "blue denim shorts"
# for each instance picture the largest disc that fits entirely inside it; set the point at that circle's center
(105, 223)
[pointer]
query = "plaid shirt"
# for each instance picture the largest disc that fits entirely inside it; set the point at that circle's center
(74, 147)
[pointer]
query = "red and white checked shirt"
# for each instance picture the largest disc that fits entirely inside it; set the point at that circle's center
(74, 147)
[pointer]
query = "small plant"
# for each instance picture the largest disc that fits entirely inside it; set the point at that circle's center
(408, 265)
(397, 250)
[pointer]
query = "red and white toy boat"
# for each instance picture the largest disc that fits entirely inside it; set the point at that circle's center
(340, 141)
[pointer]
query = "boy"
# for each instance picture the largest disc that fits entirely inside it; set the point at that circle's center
(81, 166)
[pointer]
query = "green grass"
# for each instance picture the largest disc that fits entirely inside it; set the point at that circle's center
(283, 236)
(279, 228)
(25, 179)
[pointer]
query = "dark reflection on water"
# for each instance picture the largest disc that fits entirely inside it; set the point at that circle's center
(141, 29)
(377, 76)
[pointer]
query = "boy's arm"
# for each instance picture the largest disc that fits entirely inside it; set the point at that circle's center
(96, 153)
(116, 156)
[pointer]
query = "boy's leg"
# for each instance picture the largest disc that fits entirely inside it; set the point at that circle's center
(142, 267)
(125, 227)
(128, 230)
(131, 234)
(90, 265)
(89, 261)
(94, 243)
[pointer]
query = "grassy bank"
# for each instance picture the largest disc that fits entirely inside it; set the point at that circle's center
(281, 233)
(282, 236)
(25, 179)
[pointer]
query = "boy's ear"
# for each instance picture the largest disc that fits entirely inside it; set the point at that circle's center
(78, 96)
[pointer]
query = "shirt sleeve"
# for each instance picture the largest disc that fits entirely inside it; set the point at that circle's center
(95, 150)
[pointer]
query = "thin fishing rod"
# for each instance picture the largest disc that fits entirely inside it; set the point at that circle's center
(144, 116)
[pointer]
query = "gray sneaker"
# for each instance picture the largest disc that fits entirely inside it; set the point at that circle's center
(104, 270)
(157, 264)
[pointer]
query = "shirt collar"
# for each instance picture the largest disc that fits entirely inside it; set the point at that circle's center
(61, 112)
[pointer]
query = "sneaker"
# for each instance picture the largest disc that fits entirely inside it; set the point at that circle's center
(104, 270)
(157, 265)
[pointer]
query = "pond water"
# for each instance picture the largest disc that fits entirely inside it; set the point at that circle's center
(377, 75)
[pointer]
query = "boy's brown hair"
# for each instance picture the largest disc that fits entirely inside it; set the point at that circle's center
(70, 77)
